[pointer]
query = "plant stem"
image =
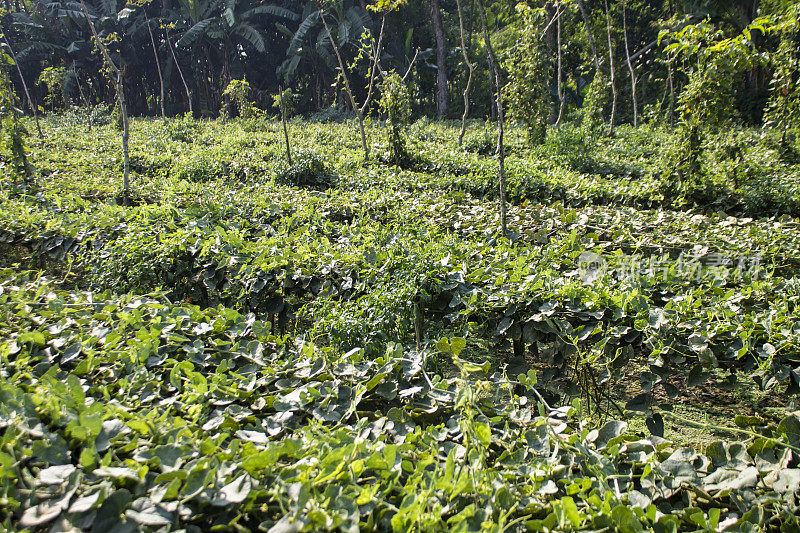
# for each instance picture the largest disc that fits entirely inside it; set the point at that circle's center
(630, 66)
(560, 71)
(748, 433)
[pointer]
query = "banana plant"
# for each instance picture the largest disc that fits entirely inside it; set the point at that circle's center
(309, 46)
(231, 27)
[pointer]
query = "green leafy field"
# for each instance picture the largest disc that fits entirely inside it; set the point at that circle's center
(334, 345)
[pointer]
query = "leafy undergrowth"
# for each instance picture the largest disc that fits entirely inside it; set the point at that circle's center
(289, 365)
(134, 413)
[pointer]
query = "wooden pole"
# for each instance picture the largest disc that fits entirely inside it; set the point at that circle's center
(612, 69)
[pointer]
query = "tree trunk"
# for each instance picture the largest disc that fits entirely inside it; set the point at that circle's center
(25, 87)
(551, 39)
(630, 67)
(671, 112)
(471, 24)
(500, 125)
(180, 72)
(587, 24)
(492, 99)
(78, 84)
(441, 56)
(469, 79)
(126, 186)
(318, 89)
(158, 66)
(612, 70)
(285, 129)
(748, 9)
(560, 72)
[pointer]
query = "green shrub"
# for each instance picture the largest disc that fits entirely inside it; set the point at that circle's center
(528, 63)
(483, 142)
(200, 167)
(332, 114)
(13, 134)
(100, 115)
(308, 171)
(597, 98)
(238, 103)
(396, 104)
(184, 129)
(54, 78)
(256, 122)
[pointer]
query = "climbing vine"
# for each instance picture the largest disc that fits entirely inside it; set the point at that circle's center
(237, 96)
(396, 104)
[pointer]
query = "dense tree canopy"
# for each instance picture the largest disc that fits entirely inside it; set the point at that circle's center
(284, 43)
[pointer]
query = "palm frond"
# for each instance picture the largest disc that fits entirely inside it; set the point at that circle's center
(297, 41)
(37, 47)
(109, 7)
(289, 67)
(359, 18)
(343, 33)
(228, 13)
(251, 35)
(284, 30)
(272, 10)
(194, 33)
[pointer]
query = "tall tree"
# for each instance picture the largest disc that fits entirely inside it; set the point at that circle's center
(441, 59)
(612, 69)
(587, 24)
(630, 66)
